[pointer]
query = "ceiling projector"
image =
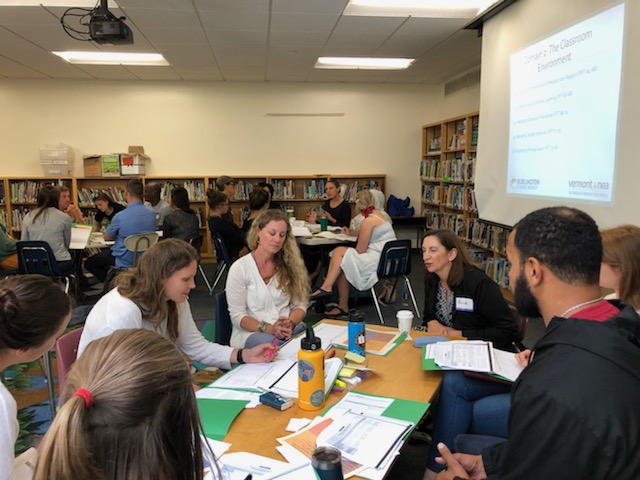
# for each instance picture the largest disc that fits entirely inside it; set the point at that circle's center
(105, 27)
(96, 25)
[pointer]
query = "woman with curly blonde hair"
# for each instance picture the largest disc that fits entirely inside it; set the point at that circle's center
(267, 291)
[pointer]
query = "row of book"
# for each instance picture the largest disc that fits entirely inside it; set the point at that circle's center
(451, 196)
(85, 196)
(448, 221)
(458, 139)
(195, 189)
(458, 169)
(3, 217)
(349, 191)
(26, 191)
(17, 216)
(486, 235)
(242, 190)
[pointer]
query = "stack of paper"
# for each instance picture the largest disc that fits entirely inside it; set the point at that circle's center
(378, 342)
(472, 355)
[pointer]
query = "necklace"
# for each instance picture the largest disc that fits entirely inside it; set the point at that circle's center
(579, 306)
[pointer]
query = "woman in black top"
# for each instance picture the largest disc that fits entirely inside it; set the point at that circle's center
(336, 209)
(182, 223)
(459, 298)
(107, 209)
(233, 238)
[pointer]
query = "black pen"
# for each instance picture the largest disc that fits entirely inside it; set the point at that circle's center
(248, 477)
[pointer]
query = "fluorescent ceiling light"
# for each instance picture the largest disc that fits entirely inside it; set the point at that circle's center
(55, 3)
(112, 58)
(418, 8)
(364, 63)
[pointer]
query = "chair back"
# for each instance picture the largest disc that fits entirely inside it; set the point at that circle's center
(140, 242)
(221, 249)
(196, 242)
(223, 319)
(395, 259)
(66, 354)
(36, 256)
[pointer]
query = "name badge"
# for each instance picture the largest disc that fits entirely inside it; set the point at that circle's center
(464, 304)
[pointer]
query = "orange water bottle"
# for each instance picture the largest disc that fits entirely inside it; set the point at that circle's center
(310, 372)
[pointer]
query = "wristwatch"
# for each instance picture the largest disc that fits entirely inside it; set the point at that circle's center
(262, 327)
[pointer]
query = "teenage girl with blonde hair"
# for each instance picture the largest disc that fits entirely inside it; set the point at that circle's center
(129, 412)
(268, 290)
(154, 296)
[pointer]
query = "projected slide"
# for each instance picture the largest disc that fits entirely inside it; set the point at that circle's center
(564, 111)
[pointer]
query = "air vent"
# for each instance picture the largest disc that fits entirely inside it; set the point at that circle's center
(462, 83)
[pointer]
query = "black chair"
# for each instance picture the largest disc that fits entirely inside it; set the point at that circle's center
(395, 262)
(196, 242)
(36, 257)
(223, 320)
(224, 259)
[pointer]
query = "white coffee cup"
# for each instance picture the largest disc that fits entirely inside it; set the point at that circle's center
(405, 321)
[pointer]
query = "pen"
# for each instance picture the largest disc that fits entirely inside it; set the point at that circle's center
(516, 347)
(274, 343)
(248, 477)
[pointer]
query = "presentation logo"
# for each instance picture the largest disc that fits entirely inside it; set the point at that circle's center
(524, 183)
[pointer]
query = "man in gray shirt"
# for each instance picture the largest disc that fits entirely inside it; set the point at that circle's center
(155, 203)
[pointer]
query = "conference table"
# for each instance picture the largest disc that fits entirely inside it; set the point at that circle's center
(397, 375)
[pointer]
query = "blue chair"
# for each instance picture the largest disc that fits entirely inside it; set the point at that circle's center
(395, 262)
(36, 257)
(223, 320)
(224, 259)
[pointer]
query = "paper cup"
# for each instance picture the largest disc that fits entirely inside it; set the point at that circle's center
(405, 321)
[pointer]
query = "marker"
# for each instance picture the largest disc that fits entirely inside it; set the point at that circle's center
(516, 347)
(274, 343)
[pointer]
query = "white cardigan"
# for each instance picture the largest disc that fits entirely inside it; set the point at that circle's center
(248, 295)
(115, 312)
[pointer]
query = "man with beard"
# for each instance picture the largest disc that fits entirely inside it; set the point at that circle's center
(574, 409)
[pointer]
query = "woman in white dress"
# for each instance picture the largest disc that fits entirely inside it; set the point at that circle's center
(357, 265)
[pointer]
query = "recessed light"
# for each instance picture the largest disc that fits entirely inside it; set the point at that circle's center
(364, 63)
(112, 58)
(418, 8)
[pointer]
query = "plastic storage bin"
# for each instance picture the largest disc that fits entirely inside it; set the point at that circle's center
(57, 160)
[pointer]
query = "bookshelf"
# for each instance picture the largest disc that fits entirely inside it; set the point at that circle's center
(19, 195)
(447, 177)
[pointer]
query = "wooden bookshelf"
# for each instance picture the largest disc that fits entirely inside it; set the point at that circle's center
(19, 195)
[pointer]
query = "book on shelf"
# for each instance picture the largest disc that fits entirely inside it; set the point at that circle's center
(434, 145)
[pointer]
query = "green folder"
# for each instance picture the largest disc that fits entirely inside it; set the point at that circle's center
(218, 414)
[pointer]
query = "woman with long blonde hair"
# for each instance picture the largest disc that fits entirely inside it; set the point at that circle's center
(129, 412)
(268, 290)
(154, 296)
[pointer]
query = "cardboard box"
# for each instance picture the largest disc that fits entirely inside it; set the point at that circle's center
(132, 163)
(110, 165)
(92, 165)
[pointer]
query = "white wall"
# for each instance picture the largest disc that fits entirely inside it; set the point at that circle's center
(191, 128)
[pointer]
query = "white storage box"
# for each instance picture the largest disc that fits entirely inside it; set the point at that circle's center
(57, 160)
(133, 163)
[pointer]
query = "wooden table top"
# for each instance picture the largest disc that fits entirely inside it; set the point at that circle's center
(398, 375)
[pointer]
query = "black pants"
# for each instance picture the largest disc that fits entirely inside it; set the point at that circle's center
(100, 264)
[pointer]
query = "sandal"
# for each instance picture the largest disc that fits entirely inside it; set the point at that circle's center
(341, 313)
(320, 293)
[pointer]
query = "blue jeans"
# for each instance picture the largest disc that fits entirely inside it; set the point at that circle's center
(258, 338)
(468, 405)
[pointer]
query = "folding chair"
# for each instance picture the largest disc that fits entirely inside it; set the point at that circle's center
(140, 242)
(224, 260)
(196, 242)
(395, 262)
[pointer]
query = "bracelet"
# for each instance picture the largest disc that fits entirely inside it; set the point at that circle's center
(262, 326)
(239, 356)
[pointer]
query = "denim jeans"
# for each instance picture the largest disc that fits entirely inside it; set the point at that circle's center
(468, 405)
